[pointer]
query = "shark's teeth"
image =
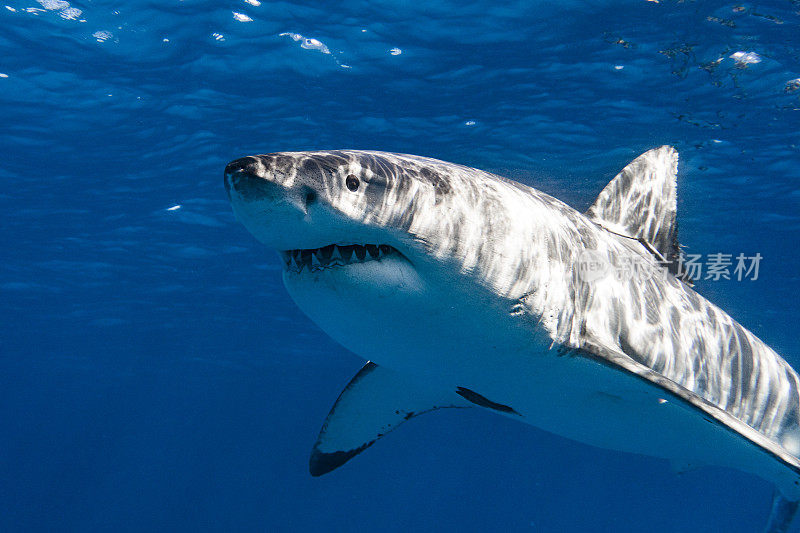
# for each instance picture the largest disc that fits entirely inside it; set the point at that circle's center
(333, 255)
(326, 252)
(347, 253)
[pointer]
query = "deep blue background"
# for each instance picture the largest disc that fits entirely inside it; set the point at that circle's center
(153, 372)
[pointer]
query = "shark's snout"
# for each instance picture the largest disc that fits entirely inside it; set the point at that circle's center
(248, 164)
(271, 203)
(242, 174)
(251, 179)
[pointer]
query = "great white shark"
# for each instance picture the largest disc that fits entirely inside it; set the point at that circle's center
(476, 290)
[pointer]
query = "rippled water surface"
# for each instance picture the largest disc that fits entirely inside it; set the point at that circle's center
(155, 376)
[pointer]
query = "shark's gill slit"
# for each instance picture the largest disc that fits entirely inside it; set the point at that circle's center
(335, 255)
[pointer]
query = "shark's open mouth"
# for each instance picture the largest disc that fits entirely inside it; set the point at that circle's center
(334, 255)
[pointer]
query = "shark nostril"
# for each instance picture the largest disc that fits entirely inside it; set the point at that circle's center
(237, 165)
(254, 166)
(232, 172)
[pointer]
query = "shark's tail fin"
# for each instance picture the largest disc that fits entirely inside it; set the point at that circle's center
(782, 514)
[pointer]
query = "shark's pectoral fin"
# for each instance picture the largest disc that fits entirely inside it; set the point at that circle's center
(375, 402)
(641, 203)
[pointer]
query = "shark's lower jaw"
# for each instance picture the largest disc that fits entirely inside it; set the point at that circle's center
(334, 256)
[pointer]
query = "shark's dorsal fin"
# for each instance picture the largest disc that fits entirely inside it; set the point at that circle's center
(641, 203)
(375, 402)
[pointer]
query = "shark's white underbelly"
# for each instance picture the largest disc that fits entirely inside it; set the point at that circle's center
(589, 402)
(473, 343)
(592, 403)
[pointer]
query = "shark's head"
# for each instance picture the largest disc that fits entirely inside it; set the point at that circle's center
(333, 215)
(405, 252)
(355, 230)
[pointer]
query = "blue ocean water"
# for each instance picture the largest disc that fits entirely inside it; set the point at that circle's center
(154, 374)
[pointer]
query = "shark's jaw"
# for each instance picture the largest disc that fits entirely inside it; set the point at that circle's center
(335, 256)
(350, 279)
(358, 294)
(349, 275)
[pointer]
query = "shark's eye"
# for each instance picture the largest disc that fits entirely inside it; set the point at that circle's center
(352, 182)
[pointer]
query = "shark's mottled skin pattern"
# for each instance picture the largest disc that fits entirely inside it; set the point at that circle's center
(523, 247)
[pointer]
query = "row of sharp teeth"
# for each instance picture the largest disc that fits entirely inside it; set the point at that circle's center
(333, 255)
